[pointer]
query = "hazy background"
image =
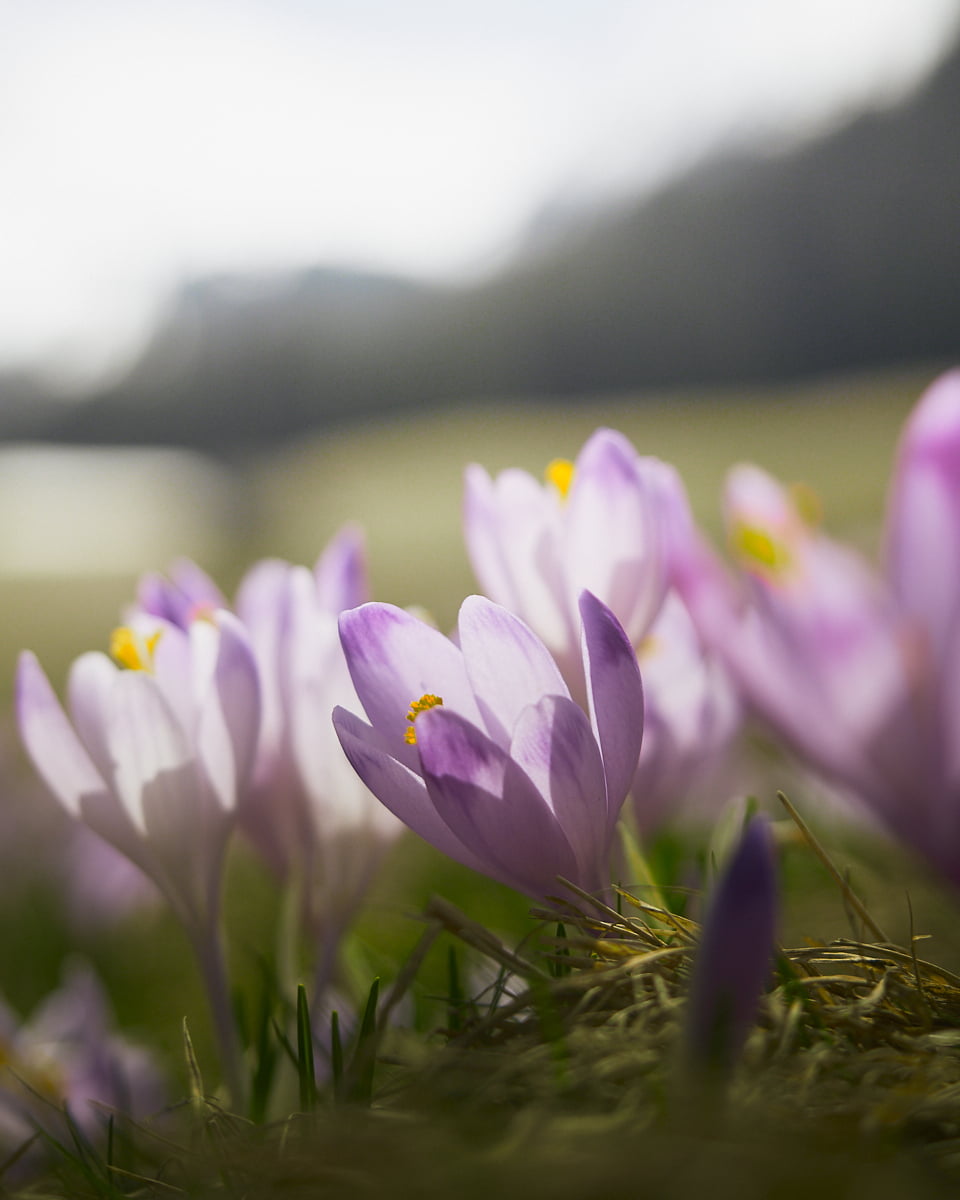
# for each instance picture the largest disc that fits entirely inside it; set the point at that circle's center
(269, 266)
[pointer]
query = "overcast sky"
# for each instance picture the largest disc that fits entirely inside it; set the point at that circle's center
(145, 142)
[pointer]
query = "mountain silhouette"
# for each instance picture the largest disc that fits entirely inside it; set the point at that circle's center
(842, 253)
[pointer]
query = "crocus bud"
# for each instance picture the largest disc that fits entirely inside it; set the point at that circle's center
(735, 952)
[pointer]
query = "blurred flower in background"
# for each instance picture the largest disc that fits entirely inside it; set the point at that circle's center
(66, 1055)
(855, 669)
(306, 812)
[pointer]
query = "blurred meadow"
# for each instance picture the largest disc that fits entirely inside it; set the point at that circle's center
(401, 480)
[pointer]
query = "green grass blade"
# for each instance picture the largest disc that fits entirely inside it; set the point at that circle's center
(364, 1054)
(305, 1068)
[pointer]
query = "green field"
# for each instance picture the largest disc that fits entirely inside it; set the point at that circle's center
(402, 480)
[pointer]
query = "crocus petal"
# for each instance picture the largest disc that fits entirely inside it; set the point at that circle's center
(615, 697)
(147, 743)
(691, 716)
(263, 605)
(394, 659)
(492, 806)
(316, 681)
(481, 522)
(173, 666)
(923, 520)
(735, 953)
(508, 666)
(554, 745)
(340, 805)
(400, 789)
(512, 529)
(89, 687)
(178, 599)
(341, 572)
(613, 545)
(261, 592)
(57, 753)
(230, 717)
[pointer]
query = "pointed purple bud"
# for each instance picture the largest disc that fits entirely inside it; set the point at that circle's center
(736, 949)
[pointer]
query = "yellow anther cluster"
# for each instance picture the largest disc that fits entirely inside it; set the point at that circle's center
(427, 700)
(560, 473)
(759, 548)
(649, 646)
(132, 650)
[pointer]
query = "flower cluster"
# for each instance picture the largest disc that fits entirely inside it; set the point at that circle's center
(856, 670)
(605, 673)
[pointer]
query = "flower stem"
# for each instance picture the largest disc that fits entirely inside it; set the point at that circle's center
(208, 947)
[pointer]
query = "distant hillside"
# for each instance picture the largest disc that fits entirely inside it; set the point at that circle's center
(842, 254)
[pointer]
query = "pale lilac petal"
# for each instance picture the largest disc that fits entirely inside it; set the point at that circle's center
(753, 498)
(173, 667)
(263, 605)
(394, 659)
(318, 681)
(146, 742)
(615, 696)
(58, 754)
(513, 536)
(509, 668)
(156, 778)
(673, 516)
(613, 546)
(261, 592)
(341, 572)
(482, 534)
(90, 684)
(554, 745)
(400, 789)
(923, 520)
(492, 806)
(236, 688)
(692, 714)
(772, 674)
(188, 592)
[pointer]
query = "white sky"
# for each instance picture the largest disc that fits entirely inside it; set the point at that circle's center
(142, 142)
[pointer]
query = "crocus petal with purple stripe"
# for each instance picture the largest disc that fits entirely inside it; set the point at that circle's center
(507, 774)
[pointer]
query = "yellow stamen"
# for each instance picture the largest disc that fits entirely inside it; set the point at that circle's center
(759, 548)
(132, 650)
(560, 472)
(649, 646)
(427, 700)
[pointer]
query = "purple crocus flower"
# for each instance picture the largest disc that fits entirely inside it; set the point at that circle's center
(331, 829)
(158, 747)
(306, 811)
(735, 952)
(598, 524)
(478, 747)
(614, 523)
(67, 1055)
(857, 671)
(181, 596)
